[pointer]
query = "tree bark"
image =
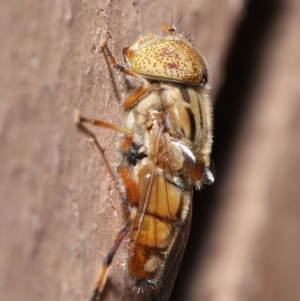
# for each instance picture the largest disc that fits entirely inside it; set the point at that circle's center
(60, 207)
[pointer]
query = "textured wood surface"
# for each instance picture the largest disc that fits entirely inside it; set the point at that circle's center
(59, 206)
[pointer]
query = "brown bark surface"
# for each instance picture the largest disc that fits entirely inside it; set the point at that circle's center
(60, 208)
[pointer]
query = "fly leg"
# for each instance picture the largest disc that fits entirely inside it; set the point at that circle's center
(131, 194)
(127, 139)
(134, 97)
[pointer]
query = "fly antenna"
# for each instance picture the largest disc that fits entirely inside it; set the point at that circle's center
(169, 27)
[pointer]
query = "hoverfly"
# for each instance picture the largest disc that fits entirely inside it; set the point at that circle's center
(164, 150)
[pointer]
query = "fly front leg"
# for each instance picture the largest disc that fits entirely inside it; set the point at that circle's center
(135, 96)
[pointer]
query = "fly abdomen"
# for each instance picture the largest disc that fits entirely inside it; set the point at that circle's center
(155, 227)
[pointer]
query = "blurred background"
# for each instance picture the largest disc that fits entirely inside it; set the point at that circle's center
(59, 205)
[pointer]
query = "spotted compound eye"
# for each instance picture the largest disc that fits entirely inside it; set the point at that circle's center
(167, 60)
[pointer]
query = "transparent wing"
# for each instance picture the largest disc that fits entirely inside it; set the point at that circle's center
(175, 257)
(160, 232)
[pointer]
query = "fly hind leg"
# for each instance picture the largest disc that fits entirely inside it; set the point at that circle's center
(131, 194)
